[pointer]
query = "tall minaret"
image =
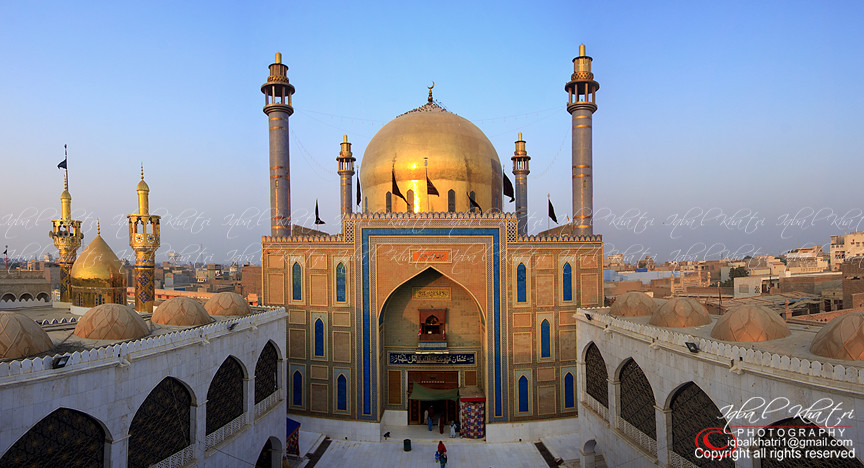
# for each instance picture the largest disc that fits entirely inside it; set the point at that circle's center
(144, 240)
(67, 236)
(346, 175)
(581, 94)
(520, 171)
(277, 105)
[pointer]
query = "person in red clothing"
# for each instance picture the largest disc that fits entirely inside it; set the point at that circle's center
(442, 453)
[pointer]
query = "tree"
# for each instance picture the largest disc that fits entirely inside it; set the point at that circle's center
(736, 272)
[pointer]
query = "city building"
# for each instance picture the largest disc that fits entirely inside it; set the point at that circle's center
(845, 246)
(431, 299)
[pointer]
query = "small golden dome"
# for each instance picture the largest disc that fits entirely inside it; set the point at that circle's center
(841, 338)
(460, 158)
(633, 304)
(182, 311)
(65, 195)
(680, 312)
(142, 186)
(749, 323)
(20, 336)
(111, 322)
(98, 267)
(227, 303)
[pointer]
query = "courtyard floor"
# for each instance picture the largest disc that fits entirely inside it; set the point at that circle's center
(462, 453)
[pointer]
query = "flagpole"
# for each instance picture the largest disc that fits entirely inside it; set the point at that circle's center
(426, 170)
(548, 200)
(66, 156)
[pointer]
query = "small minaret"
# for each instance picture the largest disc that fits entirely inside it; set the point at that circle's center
(144, 240)
(520, 171)
(346, 175)
(581, 94)
(277, 105)
(67, 236)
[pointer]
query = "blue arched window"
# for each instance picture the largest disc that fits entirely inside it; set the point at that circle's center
(298, 389)
(567, 282)
(99, 300)
(523, 394)
(545, 345)
(340, 283)
(319, 337)
(520, 283)
(568, 391)
(296, 282)
(342, 393)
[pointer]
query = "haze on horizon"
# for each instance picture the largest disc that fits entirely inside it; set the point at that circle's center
(722, 130)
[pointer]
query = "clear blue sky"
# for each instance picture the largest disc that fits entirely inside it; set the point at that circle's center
(725, 119)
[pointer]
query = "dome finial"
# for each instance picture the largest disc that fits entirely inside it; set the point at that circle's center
(66, 182)
(98, 228)
(430, 91)
(142, 170)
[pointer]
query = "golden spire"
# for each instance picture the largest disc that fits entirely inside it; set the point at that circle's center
(98, 228)
(430, 91)
(143, 194)
(581, 50)
(278, 57)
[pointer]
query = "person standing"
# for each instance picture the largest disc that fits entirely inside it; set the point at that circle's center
(453, 429)
(431, 412)
(426, 416)
(442, 453)
(441, 424)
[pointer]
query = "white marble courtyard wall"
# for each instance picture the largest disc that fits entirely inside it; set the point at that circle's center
(110, 383)
(728, 374)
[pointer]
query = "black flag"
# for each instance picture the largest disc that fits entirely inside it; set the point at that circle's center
(552, 212)
(508, 187)
(395, 189)
(474, 203)
(6, 252)
(317, 219)
(62, 164)
(359, 197)
(430, 189)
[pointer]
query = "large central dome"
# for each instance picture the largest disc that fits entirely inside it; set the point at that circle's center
(458, 156)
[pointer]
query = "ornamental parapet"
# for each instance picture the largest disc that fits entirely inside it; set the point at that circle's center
(122, 353)
(737, 358)
(558, 239)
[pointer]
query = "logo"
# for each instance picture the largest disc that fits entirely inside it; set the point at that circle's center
(715, 443)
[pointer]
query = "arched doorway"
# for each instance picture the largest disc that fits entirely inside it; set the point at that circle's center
(65, 437)
(162, 425)
(432, 333)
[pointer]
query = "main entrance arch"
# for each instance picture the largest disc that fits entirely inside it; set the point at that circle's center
(432, 335)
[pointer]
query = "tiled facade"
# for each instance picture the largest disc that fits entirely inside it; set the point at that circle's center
(512, 325)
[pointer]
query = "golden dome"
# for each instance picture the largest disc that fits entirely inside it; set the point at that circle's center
(142, 186)
(633, 304)
(20, 336)
(227, 303)
(111, 322)
(680, 312)
(841, 338)
(460, 158)
(182, 311)
(98, 267)
(748, 323)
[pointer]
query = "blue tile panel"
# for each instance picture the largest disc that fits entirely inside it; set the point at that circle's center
(366, 338)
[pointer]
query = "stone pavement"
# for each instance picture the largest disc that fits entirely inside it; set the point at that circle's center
(389, 454)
